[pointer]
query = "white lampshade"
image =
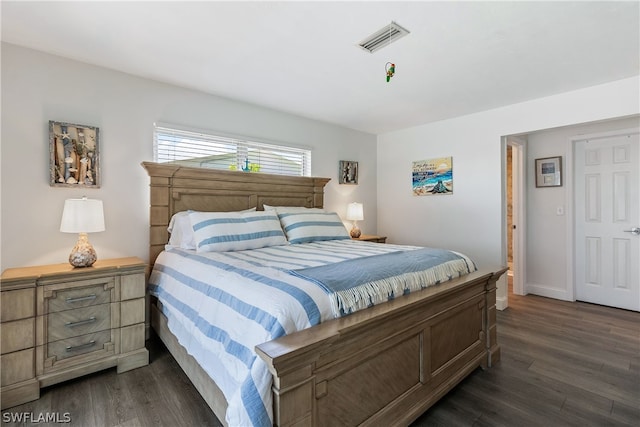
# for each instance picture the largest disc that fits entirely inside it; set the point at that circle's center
(82, 216)
(355, 212)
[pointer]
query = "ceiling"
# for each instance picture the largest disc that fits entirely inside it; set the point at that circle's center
(303, 58)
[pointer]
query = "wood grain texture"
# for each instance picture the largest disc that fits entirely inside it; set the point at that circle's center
(78, 294)
(387, 375)
(17, 335)
(132, 286)
(19, 367)
(132, 312)
(94, 344)
(65, 270)
(71, 323)
(132, 337)
(17, 304)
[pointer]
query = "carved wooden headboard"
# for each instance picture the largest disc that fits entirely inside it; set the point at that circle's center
(176, 188)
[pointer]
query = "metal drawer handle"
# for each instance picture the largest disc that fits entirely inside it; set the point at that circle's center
(88, 297)
(81, 322)
(78, 347)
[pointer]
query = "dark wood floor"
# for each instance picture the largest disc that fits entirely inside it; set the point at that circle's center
(563, 364)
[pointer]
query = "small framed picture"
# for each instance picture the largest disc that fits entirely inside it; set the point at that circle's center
(348, 172)
(549, 172)
(74, 153)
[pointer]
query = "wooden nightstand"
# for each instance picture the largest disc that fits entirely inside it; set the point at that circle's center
(372, 238)
(60, 322)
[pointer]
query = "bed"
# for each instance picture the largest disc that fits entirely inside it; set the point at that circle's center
(383, 365)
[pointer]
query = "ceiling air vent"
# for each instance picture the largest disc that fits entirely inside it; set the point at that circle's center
(383, 37)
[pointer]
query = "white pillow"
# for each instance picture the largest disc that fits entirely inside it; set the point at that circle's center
(291, 209)
(236, 231)
(305, 227)
(181, 231)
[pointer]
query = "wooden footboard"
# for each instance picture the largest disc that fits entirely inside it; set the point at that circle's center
(388, 364)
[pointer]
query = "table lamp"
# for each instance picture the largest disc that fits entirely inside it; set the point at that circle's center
(355, 213)
(82, 216)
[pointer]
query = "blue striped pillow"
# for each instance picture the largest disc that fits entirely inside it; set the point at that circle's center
(236, 231)
(313, 226)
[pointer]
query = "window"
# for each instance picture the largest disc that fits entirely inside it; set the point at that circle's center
(203, 150)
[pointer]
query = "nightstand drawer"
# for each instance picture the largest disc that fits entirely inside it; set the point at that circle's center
(17, 367)
(71, 323)
(81, 296)
(77, 346)
(17, 335)
(132, 286)
(18, 304)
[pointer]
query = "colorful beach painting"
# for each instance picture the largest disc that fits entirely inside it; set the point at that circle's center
(433, 176)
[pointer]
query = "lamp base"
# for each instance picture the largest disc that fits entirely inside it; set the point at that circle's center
(83, 254)
(355, 232)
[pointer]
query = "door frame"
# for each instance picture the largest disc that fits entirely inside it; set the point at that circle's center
(518, 184)
(570, 185)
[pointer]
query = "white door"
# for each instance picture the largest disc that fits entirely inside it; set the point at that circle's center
(607, 217)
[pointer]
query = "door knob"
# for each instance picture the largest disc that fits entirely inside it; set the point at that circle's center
(634, 230)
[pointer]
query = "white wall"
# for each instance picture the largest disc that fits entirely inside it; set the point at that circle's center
(471, 219)
(546, 234)
(38, 87)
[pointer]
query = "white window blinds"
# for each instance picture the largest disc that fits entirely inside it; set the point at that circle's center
(203, 150)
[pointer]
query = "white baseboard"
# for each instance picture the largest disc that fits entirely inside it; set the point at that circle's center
(501, 303)
(547, 291)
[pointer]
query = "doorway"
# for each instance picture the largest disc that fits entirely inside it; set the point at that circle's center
(544, 244)
(515, 211)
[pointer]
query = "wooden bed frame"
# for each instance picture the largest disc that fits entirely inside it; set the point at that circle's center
(382, 366)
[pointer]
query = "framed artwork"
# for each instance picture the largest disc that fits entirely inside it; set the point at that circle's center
(432, 176)
(549, 172)
(74, 155)
(348, 172)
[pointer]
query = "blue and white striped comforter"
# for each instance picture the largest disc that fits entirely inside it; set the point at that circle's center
(220, 305)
